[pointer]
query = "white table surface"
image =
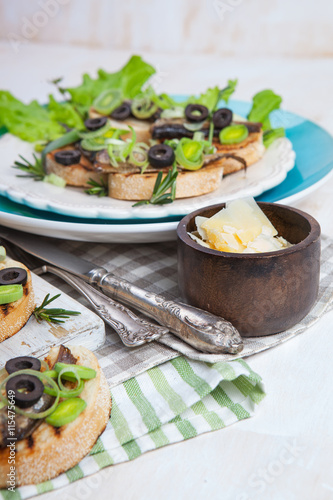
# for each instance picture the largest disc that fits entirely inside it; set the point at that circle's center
(285, 451)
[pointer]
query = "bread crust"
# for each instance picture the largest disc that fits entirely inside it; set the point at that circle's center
(49, 451)
(188, 183)
(14, 316)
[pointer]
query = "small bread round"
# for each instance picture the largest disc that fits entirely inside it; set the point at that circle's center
(49, 451)
(14, 316)
(190, 183)
(77, 175)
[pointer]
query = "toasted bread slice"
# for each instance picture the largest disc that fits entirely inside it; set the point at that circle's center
(14, 316)
(141, 127)
(251, 150)
(136, 186)
(78, 174)
(49, 451)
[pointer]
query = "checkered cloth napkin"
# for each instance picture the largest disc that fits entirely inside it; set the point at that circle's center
(159, 397)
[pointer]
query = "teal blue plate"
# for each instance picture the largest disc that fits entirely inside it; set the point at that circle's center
(314, 161)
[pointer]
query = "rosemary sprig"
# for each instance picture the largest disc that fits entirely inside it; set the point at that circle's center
(160, 196)
(52, 315)
(34, 170)
(97, 189)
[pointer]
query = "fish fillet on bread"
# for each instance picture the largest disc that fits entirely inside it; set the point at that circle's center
(13, 316)
(250, 149)
(48, 451)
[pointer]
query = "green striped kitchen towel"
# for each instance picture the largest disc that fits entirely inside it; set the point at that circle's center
(177, 400)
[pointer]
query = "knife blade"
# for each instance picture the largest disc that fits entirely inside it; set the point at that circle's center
(200, 329)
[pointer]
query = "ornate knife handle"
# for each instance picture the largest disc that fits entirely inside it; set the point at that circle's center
(201, 329)
(132, 330)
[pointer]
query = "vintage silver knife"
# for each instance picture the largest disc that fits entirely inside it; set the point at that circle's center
(201, 329)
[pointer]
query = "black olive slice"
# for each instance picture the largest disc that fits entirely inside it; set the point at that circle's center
(22, 363)
(122, 112)
(13, 276)
(196, 112)
(95, 123)
(27, 390)
(161, 155)
(222, 118)
(67, 157)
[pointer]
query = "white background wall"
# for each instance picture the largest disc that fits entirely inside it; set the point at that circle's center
(226, 27)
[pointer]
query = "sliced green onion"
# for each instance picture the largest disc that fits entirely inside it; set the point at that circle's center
(143, 107)
(83, 372)
(93, 144)
(62, 141)
(66, 412)
(96, 133)
(198, 136)
(233, 134)
(43, 377)
(189, 154)
(140, 150)
(174, 112)
(66, 393)
(193, 127)
(10, 293)
(211, 132)
(108, 101)
(55, 179)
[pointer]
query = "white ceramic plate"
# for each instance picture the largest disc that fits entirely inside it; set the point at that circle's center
(270, 171)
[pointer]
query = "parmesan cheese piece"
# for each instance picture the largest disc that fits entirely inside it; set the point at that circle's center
(240, 227)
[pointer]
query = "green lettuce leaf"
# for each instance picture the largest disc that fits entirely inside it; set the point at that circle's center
(128, 79)
(263, 104)
(227, 92)
(31, 122)
(273, 134)
(64, 113)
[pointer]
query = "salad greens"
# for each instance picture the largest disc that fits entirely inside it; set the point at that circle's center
(129, 80)
(31, 122)
(264, 103)
(273, 134)
(64, 113)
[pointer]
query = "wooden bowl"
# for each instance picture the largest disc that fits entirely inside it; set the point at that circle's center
(260, 294)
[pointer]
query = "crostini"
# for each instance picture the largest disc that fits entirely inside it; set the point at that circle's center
(70, 401)
(17, 300)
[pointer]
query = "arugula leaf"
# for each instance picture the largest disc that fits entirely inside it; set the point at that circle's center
(128, 79)
(31, 122)
(64, 112)
(263, 104)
